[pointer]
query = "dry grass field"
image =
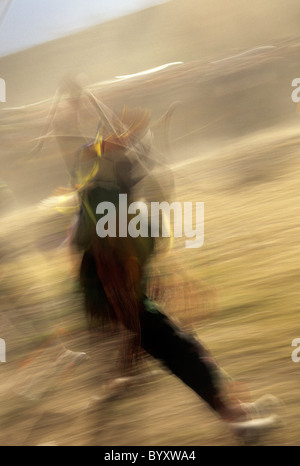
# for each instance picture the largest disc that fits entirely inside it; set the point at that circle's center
(234, 146)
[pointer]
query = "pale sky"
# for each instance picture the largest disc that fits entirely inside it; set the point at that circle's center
(29, 22)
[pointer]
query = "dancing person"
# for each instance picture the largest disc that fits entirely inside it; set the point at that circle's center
(113, 271)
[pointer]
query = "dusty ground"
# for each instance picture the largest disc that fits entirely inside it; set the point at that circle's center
(235, 146)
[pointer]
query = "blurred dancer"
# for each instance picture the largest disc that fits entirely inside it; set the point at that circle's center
(114, 269)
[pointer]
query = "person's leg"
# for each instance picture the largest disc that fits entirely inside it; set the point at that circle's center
(186, 358)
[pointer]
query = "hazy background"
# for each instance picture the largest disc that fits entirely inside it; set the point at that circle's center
(175, 31)
(234, 141)
(28, 23)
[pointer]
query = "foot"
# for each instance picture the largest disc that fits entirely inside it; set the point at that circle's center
(118, 386)
(261, 417)
(251, 431)
(265, 406)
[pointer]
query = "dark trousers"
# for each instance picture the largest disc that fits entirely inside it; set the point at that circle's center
(181, 353)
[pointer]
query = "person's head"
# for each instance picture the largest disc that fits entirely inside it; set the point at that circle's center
(118, 155)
